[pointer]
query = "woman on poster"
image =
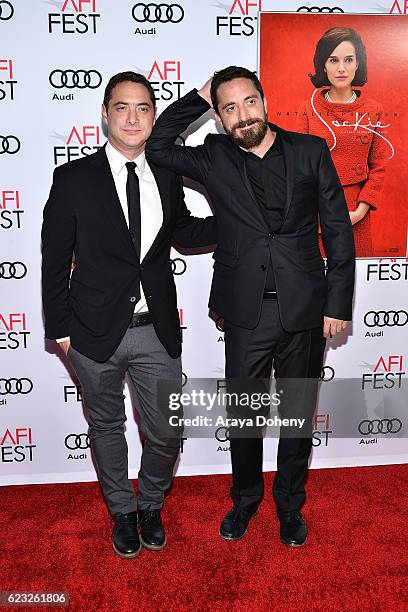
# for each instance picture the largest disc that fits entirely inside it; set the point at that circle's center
(352, 125)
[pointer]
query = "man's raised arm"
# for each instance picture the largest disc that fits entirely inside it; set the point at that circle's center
(161, 149)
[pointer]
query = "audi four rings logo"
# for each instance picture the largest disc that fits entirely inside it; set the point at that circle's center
(327, 374)
(15, 269)
(77, 441)
(157, 13)
(6, 10)
(380, 426)
(320, 9)
(382, 318)
(15, 386)
(9, 144)
(178, 266)
(222, 434)
(71, 79)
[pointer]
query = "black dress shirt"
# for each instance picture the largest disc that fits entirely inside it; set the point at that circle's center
(267, 176)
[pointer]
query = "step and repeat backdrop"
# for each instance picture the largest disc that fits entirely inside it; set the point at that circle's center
(55, 59)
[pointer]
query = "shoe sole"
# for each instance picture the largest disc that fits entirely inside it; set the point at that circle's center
(292, 544)
(126, 555)
(154, 547)
(240, 537)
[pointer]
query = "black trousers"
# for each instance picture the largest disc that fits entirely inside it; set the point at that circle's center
(250, 354)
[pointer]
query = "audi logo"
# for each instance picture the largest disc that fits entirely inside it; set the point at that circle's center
(157, 13)
(222, 434)
(380, 426)
(9, 144)
(81, 79)
(77, 441)
(15, 269)
(6, 10)
(327, 373)
(392, 318)
(178, 266)
(182, 141)
(15, 386)
(322, 9)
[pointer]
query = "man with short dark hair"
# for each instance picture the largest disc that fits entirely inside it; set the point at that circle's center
(117, 313)
(269, 187)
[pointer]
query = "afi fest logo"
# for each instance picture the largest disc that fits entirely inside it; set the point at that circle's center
(391, 270)
(151, 15)
(399, 8)
(13, 331)
(182, 326)
(16, 445)
(165, 78)
(321, 429)
(75, 17)
(387, 373)
(82, 140)
(241, 18)
(10, 209)
(7, 79)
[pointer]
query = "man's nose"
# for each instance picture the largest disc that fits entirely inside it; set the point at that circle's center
(243, 114)
(132, 116)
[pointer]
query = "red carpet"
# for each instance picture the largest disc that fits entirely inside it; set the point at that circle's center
(57, 538)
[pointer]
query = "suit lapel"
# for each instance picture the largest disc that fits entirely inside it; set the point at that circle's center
(105, 190)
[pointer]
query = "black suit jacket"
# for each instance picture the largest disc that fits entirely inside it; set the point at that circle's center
(245, 245)
(83, 215)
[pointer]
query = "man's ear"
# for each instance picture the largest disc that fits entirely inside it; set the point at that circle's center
(104, 114)
(217, 118)
(266, 105)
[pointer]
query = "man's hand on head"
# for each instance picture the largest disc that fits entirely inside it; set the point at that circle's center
(204, 92)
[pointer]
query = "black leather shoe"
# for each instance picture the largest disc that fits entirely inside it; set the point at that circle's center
(235, 523)
(152, 534)
(125, 538)
(293, 529)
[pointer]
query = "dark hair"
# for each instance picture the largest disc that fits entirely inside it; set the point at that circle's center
(228, 74)
(326, 45)
(122, 77)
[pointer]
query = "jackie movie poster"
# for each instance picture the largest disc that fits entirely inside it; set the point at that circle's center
(345, 78)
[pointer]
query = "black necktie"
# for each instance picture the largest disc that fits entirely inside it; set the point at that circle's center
(133, 201)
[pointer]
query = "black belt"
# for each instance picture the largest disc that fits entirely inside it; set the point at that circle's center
(270, 295)
(142, 318)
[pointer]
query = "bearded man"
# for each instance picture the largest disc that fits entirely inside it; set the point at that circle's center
(269, 189)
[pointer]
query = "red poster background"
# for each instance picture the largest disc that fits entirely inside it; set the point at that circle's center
(286, 48)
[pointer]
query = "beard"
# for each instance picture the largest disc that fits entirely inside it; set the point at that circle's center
(252, 137)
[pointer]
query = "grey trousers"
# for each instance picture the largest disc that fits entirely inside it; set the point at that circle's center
(142, 356)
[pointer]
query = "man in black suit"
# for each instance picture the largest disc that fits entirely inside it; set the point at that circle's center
(117, 314)
(269, 188)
